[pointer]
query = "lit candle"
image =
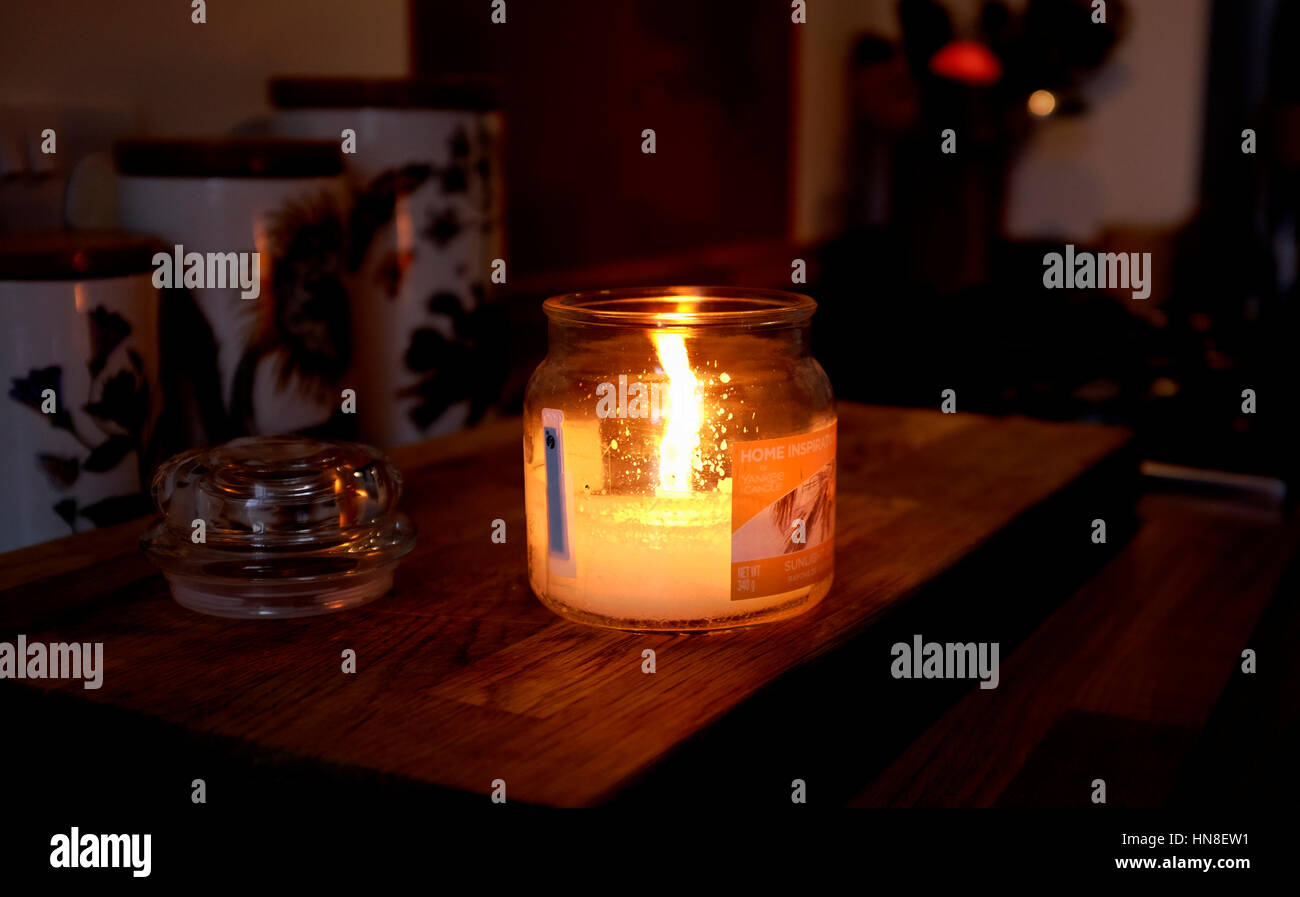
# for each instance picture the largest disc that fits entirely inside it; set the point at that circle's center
(693, 488)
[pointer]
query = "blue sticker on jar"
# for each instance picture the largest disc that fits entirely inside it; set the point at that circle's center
(559, 551)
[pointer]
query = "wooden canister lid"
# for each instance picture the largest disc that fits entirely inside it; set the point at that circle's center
(290, 92)
(228, 157)
(75, 255)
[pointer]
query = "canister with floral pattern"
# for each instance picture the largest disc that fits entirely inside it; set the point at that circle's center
(79, 363)
(425, 238)
(255, 302)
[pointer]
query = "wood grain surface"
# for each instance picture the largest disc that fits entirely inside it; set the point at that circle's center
(463, 677)
(1122, 680)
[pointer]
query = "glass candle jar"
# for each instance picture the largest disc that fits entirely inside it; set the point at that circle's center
(679, 460)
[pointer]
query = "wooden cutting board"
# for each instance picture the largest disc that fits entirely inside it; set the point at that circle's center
(463, 677)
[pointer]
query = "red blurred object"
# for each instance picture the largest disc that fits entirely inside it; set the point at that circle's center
(967, 61)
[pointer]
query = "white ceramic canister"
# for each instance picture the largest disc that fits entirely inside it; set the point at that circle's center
(79, 363)
(266, 358)
(424, 159)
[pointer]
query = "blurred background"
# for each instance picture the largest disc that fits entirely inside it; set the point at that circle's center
(819, 141)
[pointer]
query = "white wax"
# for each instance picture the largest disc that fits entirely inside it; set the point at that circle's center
(636, 557)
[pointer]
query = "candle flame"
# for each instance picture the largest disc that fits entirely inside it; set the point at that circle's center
(679, 448)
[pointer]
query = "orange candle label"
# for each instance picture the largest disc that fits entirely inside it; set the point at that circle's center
(782, 513)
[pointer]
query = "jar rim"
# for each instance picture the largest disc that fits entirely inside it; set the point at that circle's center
(663, 306)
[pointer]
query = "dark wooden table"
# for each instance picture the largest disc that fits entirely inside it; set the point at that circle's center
(463, 677)
(1137, 679)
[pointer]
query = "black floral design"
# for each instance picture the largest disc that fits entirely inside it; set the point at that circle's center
(109, 453)
(460, 145)
(373, 208)
(30, 391)
(67, 509)
(190, 372)
(119, 406)
(443, 226)
(124, 402)
(107, 331)
(62, 472)
(305, 317)
(116, 509)
(468, 364)
(455, 179)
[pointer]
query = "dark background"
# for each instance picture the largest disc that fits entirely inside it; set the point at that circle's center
(818, 141)
(922, 285)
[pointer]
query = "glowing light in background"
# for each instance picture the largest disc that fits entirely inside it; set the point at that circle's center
(968, 62)
(1041, 103)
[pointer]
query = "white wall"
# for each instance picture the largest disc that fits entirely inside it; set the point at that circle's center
(1135, 159)
(823, 48)
(176, 77)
